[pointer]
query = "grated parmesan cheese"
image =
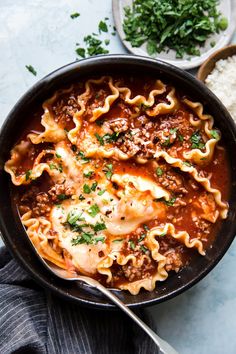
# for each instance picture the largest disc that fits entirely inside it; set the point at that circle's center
(222, 81)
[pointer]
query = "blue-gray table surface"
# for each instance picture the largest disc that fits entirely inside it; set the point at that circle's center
(42, 34)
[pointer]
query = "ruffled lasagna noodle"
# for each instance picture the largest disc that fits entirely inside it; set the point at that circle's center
(125, 181)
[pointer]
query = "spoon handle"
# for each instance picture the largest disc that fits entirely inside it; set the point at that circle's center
(163, 346)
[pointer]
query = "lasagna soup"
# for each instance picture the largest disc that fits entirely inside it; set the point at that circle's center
(123, 179)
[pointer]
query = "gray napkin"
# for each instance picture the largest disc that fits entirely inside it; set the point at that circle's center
(34, 321)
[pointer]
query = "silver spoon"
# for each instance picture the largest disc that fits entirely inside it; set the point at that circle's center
(164, 347)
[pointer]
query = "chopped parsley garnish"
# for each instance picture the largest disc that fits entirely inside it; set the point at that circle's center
(86, 189)
(159, 171)
(84, 237)
(62, 196)
(183, 26)
(107, 41)
(111, 137)
(107, 138)
(142, 237)
(74, 216)
(28, 174)
(88, 174)
(99, 239)
(31, 69)
(58, 155)
(94, 186)
(146, 228)
(94, 46)
(99, 138)
(215, 134)
(59, 168)
(81, 197)
(180, 137)
(118, 240)
(196, 140)
(186, 163)
(102, 27)
(83, 157)
(99, 122)
(173, 130)
(93, 210)
(132, 245)
(74, 15)
(99, 226)
(80, 51)
(166, 142)
(169, 202)
(162, 234)
(108, 171)
(143, 249)
(52, 166)
(101, 192)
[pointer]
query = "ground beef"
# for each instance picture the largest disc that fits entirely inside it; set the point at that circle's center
(64, 110)
(41, 204)
(60, 189)
(119, 125)
(173, 182)
(137, 141)
(203, 227)
(132, 273)
(173, 261)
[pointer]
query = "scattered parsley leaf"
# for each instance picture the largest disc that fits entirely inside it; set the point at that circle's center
(74, 15)
(102, 27)
(81, 52)
(31, 69)
(94, 46)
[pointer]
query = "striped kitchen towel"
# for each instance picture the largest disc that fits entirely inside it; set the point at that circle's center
(35, 321)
